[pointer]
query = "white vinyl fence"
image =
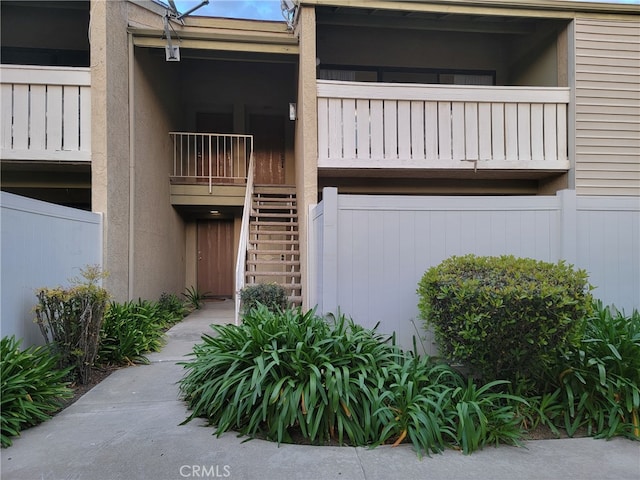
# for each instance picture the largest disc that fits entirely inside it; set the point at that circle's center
(367, 253)
(43, 245)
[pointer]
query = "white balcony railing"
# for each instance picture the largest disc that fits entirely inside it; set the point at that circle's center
(45, 113)
(210, 158)
(374, 125)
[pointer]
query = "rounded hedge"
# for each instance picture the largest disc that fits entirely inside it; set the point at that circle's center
(504, 316)
(271, 295)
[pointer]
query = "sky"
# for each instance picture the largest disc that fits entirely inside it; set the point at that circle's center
(268, 9)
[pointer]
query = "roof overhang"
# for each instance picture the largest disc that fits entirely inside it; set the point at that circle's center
(539, 8)
(212, 33)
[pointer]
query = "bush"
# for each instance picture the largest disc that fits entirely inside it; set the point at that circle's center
(130, 330)
(504, 317)
(599, 381)
(32, 387)
(70, 321)
(271, 295)
(172, 307)
(194, 297)
(288, 373)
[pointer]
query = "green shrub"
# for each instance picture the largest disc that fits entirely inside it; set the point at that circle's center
(288, 372)
(130, 330)
(172, 307)
(504, 317)
(282, 370)
(70, 321)
(599, 381)
(32, 387)
(194, 297)
(272, 295)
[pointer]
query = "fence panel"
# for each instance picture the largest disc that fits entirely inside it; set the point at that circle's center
(43, 245)
(384, 244)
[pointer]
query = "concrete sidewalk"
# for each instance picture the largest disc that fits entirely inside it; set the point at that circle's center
(127, 427)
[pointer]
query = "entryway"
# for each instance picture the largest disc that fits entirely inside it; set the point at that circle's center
(215, 258)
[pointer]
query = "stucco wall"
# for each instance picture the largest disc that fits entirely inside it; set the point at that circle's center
(306, 146)
(110, 137)
(159, 241)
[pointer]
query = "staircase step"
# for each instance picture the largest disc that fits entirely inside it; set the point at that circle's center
(274, 274)
(267, 226)
(263, 233)
(272, 215)
(274, 208)
(274, 242)
(262, 223)
(273, 262)
(274, 198)
(255, 251)
(275, 189)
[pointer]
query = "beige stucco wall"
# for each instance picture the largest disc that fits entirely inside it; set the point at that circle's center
(159, 241)
(110, 138)
(144, 238)
(306, 135)
(539, 60)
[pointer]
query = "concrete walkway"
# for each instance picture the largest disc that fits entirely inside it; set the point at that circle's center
(127, 427)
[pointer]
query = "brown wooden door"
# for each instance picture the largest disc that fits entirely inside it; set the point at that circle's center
(219, 150)
(268, 148)
(215, 257)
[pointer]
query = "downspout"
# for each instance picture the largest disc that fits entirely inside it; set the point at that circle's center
(132, 169)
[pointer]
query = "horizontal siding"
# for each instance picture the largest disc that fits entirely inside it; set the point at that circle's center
(607, 107)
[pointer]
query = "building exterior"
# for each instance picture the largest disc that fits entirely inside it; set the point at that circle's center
(422, 99)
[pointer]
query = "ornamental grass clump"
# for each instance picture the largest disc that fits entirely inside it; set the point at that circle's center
(504, 317)
(32, 387)
(598, 381)
(132, 329)
(288, 375)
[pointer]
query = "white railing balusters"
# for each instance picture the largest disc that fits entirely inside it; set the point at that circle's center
(211, 157)
(46, 113)
(376, 125)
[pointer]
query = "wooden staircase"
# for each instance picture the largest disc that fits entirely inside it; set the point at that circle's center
(273, 247)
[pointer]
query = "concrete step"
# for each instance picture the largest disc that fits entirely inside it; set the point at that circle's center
(273, 262)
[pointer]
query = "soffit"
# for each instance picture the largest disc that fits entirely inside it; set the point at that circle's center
(220, 34)
(532, 8)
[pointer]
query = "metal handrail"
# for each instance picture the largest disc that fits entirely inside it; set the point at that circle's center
(211, 157)
(241, 262)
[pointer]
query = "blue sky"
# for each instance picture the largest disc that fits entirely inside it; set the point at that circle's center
(265, 9)
(255, 9)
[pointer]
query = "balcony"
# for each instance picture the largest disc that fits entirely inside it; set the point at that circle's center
(209, 168)
(411, 126)
(45, 113)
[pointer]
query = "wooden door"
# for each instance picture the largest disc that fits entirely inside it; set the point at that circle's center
(215, 257)
(218, 152)
(268, 148)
